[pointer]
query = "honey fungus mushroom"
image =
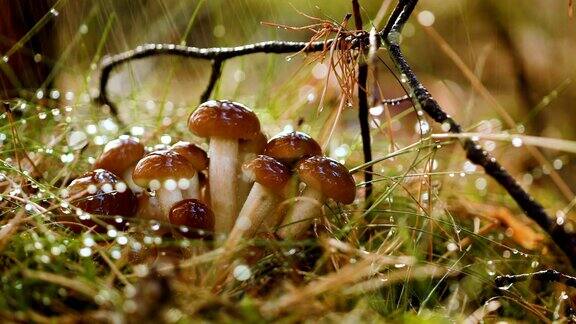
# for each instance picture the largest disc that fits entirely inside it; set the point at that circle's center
(119, 157)
(164, 172)
(100, 192)
(247, 151)
(198, 159)
(289, 148)
(270, 179)
(324, 178)
(225, 123)
(192, 218)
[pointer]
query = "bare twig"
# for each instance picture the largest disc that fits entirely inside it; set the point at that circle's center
(214, 76)
(363, 105)
(216, 53)
(423, 100)
(544, 275)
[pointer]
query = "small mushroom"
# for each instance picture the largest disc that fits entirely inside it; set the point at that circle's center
(100, 192)
(248, 150)
(164, 172)
(192, 217)
(324, 178)
(199, 160)
(270, 178)
(289, 148)
(119, 157)
(224, 123)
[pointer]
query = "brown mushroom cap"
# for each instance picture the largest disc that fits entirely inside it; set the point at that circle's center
(162, 165)
(268, 172)
(195, 155)
(95, 193)
(291, 147)
(225, 119)
(120, 154)
(255, 145)
(193, 214)
(329, 177)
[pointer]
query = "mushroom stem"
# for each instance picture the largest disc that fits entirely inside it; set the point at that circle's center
(127, 177)
(193, 191)
(260, 204)
(223, 183)
(167, 198)
(305, 210)
(244, 183)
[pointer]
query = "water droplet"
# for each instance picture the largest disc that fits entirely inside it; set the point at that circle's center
(54, 12)
(516, 142)
(85, 252)
(242, 272)
(426, 18)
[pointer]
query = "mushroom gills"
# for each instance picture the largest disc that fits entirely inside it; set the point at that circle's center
(305, 210)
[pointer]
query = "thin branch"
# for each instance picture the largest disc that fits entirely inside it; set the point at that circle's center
(363, 105)
(214, 76)
(474, 152)
(214, 53)
(549, 275)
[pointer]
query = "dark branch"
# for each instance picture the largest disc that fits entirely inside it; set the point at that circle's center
(423, 100)
(215, 53)
(214, 76)
(544, 275)
(363, 106)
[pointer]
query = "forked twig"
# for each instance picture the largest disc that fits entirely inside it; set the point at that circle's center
(474, 152)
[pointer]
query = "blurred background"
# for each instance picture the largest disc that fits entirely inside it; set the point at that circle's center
(495, 66)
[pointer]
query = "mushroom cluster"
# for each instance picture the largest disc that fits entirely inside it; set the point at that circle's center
(244, 185)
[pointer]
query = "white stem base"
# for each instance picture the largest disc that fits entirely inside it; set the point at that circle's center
(127, 177)
(305, 210)
(166, 199)
(223, 183)
(193, 192)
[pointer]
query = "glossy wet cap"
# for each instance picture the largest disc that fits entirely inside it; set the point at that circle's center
(255, 145)
(162, 165)
(194, 215)
(224, 119)
(120, 154)
(100, 192)
(291, 147)
(195, 155)
(268, 172)
(329, 177)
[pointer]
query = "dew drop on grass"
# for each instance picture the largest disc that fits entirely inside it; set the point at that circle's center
(490, 268)
(42, 115)
(85, 252)
(242, 272)
(399, 265)
(155, 226)
(377, 110)
(54, 12)
(516, 142)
